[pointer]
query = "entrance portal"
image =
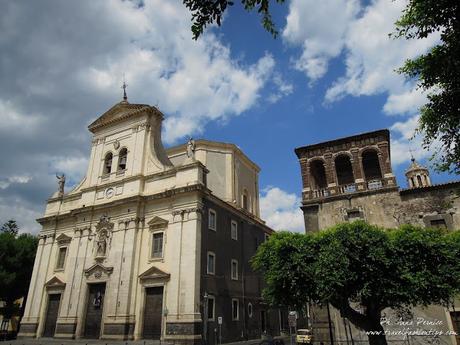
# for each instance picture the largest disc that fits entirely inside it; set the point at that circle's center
(51, 315)
(153, 311)
(94, 309)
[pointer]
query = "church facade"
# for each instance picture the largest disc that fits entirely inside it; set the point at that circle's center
(151, 244)
(351, 178)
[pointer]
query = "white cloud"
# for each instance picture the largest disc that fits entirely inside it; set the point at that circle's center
(408, 102)
(17, 210)
(283, 88)
(20, 179)
(14, 120)
(62, 66)
(406, 142)
(320, 28)
(281, 210)
(373, 57)
(74, 167)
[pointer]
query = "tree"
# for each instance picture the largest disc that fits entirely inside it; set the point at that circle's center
(438, 73)
(10, 227)
(17, 255)
(359, 264)
(206, 12)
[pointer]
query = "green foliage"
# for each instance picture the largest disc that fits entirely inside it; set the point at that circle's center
(17, 254)
(10, 227)
(438, 72)
(357, 263)
(206, 12)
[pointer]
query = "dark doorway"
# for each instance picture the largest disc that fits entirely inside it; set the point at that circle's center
(344, 170)
(51, 315)
(263, 321)
(153, 311)
(94, 311)
(371, 165)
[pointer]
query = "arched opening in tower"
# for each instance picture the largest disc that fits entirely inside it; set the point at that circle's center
(318, 175)
(371, 165)
(344, 170)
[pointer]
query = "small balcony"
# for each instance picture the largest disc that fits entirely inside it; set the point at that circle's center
(375, 184)
(321, 193)
(347, 188)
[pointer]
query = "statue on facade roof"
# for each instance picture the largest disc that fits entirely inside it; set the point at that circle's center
(191, 148)
(61, 183)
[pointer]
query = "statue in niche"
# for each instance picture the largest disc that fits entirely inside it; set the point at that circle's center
(101, 243)
(191, 148)
(61, 183)
(103, 230)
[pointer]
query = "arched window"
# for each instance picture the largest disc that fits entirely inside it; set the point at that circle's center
(371, 165)
(318, 174)
(344, 170)
(108, 163)
(413, 182)
(419, 180)
(122, 157)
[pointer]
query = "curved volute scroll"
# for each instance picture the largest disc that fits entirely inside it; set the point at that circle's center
(156, 154)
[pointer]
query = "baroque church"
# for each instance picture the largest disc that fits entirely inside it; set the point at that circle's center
(351, 178)
(152, 243)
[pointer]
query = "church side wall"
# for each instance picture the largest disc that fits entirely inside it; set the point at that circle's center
(246, 289)
(388, 209)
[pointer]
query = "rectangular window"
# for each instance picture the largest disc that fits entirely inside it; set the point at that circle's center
(266, 237)
(353, 215)
(61, 258)
(234, 230)
(235, 309)
(211, 307)
(234, 269)
(438, 223)
(211, 269)
(212, 220)
(157, 245)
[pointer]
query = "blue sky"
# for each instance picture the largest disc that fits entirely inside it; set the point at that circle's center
(329, 74)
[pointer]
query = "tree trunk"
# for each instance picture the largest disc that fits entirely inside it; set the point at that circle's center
(376, 333)
(369, 322)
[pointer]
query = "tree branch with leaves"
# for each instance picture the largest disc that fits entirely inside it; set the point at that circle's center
(361, 270)
(207, 12)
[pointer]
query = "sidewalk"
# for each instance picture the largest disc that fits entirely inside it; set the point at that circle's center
(54, 341)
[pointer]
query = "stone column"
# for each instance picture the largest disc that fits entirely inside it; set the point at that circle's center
(67, 322)
(385, 164)
(356, 163)
(29, 323)
(183, 324)
(122, 325)
(330, 173)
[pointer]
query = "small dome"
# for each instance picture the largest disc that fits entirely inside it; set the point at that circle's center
(417, 175)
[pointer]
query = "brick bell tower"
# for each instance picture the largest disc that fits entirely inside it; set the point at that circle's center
(344, 168)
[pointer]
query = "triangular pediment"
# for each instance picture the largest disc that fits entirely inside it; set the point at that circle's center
(63, 238)
(118, 112)
(157, 223)
(55, 282)
(98, 270)
(154, 273)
